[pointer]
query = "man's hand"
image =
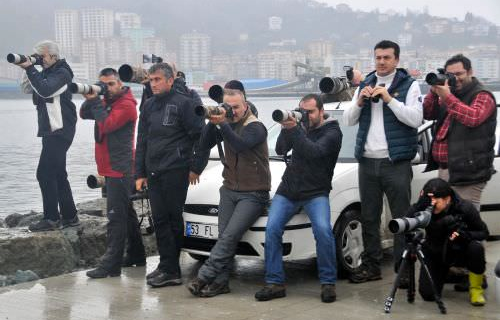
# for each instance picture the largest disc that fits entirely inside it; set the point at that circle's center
(218, 118)
(25, 64)
(442, 91)
(454, 235)
(289, 123)
(194, 178)
(366, 92)
(141, 183)
(383, 93)
(90, 96)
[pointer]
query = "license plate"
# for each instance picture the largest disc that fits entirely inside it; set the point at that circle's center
(201, 230)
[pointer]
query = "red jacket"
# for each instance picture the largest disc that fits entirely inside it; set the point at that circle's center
(114, 133)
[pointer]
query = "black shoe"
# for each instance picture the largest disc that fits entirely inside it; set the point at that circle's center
(271, 291)
(214, 289)
(128, 261)
(153, 274)
(100, 272)
(196, 285)
(73, 222)
(164, 280)
(365, 273)
(328, 293)
(44, 225)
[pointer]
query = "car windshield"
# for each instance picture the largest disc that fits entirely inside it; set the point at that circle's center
(348, 140)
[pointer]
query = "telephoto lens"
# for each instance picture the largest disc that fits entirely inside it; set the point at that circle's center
(421, 220)
(16, 58)
(83, 88)
(284, 115)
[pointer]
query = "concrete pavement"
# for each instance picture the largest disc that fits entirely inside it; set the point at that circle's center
(74, 296)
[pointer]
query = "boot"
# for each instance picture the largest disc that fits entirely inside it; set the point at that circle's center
(475, 289)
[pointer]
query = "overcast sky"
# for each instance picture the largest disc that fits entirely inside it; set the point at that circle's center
(490, 9)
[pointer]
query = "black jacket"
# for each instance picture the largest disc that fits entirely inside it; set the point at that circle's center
(168, 136)
(310, 169)
(56, 111)
(462, 216)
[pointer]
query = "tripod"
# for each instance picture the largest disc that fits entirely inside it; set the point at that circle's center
(412, 252)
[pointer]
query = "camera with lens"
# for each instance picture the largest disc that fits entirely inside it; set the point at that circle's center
(131, 74)
(95, 181)
(420, 220)
(16, 58)
(151, 58)
(99, 88)
(335, 85)
(298, 115)
(216, 93)
(207, 111)
(439, 78)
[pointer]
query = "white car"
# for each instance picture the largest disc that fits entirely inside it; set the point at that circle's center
(201, 208)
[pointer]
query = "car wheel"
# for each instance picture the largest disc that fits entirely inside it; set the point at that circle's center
(198, 257)
(349, 239)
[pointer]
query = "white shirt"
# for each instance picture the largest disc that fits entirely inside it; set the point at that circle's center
(410, 113)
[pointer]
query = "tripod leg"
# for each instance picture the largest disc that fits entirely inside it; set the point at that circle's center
(390, 299)
(411, 279)
(437, 297)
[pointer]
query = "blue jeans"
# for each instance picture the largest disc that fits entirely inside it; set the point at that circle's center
(281, 211)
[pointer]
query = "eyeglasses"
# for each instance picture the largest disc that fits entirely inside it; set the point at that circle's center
(458, 74)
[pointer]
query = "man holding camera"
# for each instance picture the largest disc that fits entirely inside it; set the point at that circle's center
(167, 161)
(464, 136)
(453, 237)
(388, 110)
(306, 184)
(114, 131)
(56, 126)
(245, 190)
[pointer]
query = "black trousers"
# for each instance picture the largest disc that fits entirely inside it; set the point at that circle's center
(471, 256)
(167, 194)
(122, 226)
(53, 179)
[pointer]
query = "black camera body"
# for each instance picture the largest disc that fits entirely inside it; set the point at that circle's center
(207, 111)
(439, 78)
(99, 88)
(403, 225)
(16, 58)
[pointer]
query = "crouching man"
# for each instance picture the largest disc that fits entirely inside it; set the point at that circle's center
(306, 183)
(245, 190)
(453, 237)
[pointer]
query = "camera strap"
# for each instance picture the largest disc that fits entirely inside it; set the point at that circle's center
(218, 139)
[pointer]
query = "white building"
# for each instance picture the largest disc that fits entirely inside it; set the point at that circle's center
(68, 35)
(128, 20)
(275, 23)
(486, 67)
(195, 51)
(278, 64)
(97, 23)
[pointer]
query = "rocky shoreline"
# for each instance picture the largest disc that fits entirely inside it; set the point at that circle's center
(27, 256)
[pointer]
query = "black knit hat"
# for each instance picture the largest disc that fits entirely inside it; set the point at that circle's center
(235, 85)
(438, 187)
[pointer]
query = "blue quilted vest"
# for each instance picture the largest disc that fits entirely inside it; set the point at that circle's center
(402, 140)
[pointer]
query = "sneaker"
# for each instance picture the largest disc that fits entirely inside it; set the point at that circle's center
(365, 273)
(153, 274)
(164, 280)
(44, 225)
(328, 293)
(100, 272)
(194, 286)
(129, 261)
(214, 289)
(73, 222)
(271, 291)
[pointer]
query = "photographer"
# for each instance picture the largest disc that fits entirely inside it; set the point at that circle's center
(453, 237)
(167, 161)
(464, 132)
(306, 184)
(115, 116)
(245, 190)
(56, 126)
